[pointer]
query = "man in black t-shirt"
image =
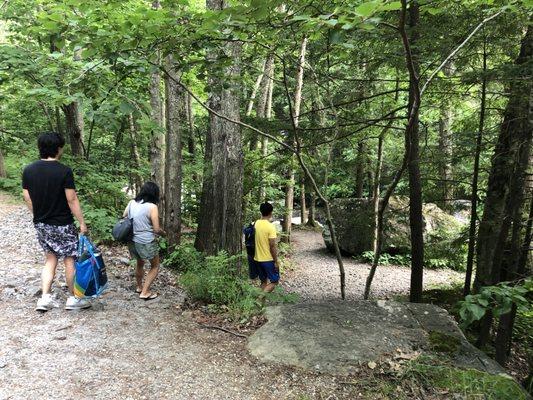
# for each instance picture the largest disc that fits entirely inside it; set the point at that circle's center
(50, 193)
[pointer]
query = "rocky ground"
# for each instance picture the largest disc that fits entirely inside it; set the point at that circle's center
(316, 273)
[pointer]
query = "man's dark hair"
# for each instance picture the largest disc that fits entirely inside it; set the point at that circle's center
(49, 144)
(266, 209)
(149, 193)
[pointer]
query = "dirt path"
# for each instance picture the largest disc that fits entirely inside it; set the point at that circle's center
(123, 348)
(316, 276)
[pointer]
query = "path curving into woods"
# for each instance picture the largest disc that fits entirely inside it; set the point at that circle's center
(316, 273)
(123, 348)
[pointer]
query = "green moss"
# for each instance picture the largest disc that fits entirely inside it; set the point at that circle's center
(443, 343)
(469, 383)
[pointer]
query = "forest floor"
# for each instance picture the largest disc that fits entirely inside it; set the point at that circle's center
(315, 275)
(125, 348)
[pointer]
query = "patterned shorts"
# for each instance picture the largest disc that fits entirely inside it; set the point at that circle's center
(62, 240)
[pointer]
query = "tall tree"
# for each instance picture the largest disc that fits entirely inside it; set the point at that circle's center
(176, 119)
(220, 219)
(289, 187)
(445, 145)
(157, 144)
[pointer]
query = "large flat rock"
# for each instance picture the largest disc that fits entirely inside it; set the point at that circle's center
(339, 336)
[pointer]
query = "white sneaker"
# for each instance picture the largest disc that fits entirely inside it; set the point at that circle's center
(73, 303)
(45, 303)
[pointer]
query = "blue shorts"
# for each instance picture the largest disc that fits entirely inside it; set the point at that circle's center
(263, 270)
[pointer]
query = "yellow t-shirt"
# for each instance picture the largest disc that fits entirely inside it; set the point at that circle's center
(264, 230)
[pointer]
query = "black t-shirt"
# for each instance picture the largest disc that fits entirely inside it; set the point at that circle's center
(46, 182)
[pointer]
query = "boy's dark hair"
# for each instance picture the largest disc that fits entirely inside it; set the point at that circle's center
(266, 209)
(149, 193)
(49, 144)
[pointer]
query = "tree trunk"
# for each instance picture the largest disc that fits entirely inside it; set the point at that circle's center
(289, 189)
(504, 196)
(513, 134)
(190, 126)
(3, 172)
(74, 127)
(311, 217)
(445, 146)
(220, 219)
(157, 142)
(257, 84)
(59, 128)
(360, 169)
(135, 152)
(412, 140)
(474, 196)
(264, 110)
(303, 211)
(176, 119)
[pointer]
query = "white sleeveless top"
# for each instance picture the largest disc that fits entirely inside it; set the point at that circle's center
(143, 231)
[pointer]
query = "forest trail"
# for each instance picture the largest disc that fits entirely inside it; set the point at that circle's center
(122, 348)
(316, 273)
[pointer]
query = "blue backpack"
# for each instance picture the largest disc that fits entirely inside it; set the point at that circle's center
(249, 239)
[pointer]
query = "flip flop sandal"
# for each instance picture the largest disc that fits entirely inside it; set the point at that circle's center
(151, 297)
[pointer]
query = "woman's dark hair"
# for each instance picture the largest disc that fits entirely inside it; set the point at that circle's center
(149, 193)
(49, 144)
(266, 209)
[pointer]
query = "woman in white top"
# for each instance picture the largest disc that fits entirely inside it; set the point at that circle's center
(143, 210)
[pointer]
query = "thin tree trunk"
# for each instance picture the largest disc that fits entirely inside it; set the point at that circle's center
(412, 140)
(74, 127)
(360, 169)
(475, 178)
(190, 126)
(157, 143)
(311, 217)
(303, 211)
(264, 110)
(289, 189)
(257, 84)
(59, 128)
(220, 220)
(135, 152)
(3, 172)
(445, 146)
(176, 119)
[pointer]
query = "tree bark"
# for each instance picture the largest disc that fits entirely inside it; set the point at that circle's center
(475, 178)
(74, 127)
(289, 189)
(157, 142)
(220, 220)
(412, 140)
(303, 210)
(137, 179)
(176, 119)
(190, 126)
(445, 146)
(360, 169)
(3, 172)
(504, 196)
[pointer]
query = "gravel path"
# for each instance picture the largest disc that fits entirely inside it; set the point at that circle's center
(316, 276)
(124, 348)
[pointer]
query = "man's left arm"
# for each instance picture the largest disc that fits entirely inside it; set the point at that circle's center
(27, 199)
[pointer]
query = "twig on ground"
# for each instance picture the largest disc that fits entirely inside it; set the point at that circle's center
(222, 329)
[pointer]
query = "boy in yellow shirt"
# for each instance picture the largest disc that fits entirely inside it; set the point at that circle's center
(265, 265)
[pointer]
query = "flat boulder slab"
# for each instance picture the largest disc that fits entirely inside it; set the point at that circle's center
(340, 336)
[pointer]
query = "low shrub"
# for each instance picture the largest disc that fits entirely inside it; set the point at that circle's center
(215, 280)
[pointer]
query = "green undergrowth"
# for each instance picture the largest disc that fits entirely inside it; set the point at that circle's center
(468, 383)
(222, 283)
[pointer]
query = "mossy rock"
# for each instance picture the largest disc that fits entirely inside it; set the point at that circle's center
(444, 343)
(354, 224)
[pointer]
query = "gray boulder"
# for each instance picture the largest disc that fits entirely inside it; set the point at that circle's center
(338, 337)
(354, 225)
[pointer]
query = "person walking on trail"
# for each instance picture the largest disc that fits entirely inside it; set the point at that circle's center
(265, 265)
(50, 194)
(143, 210)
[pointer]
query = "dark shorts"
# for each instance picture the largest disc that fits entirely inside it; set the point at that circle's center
(60, 240)
(263, 270)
